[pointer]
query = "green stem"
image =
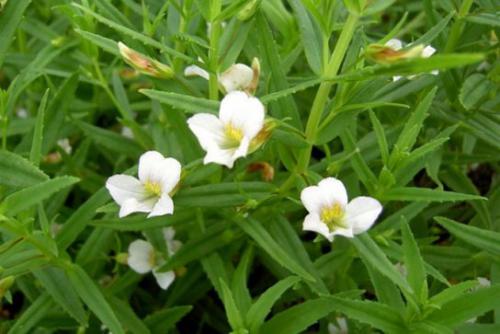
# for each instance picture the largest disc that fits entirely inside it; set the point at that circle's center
(179, 45)
(321, 98)
(213, 81)
(457, 27)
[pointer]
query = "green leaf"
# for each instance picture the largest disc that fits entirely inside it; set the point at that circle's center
(474, 89)
(467, 306)
(10, 17)
(15, 171)
(451, 293)
(311, 36)
(434, 32)
(223, 194)
(93, 298)
(232, 312)
(374, 256)
(56, 283)
(104, 43)
(132, 33)
(111, 140)
(164, 320)
(297, 318)
(271, 61)
(262, 306)
(420, 65)
(483, 239)
(381, 139)
(414, 264)
(213, 238)
(239, 281)
(77, 222)
(426, 195)
(257, 232)
(183, 102)
(490, 19)
(377, 315)
(127, 316)
(36, 146)
(412, 127)
(36, 311)
(24, 199)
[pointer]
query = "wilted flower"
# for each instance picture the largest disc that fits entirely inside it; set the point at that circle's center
(233, 134)
(265, 168)
(235, 78)
(158, 176)
(330, 214)
(145, 64)
(142, 258)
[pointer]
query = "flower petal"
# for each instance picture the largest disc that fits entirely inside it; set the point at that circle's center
(243, 112)
(394, 44)
(333, 191)
(312, 198)
(140, 256)
(220, 156)
(362, 212)
(164, 206)
(236, 77)
(123, 187)
(154, 167)
(428, 51)
(133, 205)
(164, 280)
(313, 223)
(208, 129)
(194, 70)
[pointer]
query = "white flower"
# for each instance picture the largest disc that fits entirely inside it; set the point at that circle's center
(237, 77)
(142, 259)
(158, 176)
(339, 328)
(416, 51)
(330, 214)
(65, 145)
(228, 137)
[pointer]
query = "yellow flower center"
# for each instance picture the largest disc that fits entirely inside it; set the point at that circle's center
(333, 217)
(153, 188)
(233, 136)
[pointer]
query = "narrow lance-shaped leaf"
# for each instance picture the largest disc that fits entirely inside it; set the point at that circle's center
(24, 199)
(481, 238)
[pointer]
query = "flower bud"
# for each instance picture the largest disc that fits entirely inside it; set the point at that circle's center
(384, 54)
(248, 10)
(122, 258)
(145, 64)
(5, 284)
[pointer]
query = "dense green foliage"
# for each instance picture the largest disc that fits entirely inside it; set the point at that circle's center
(427, 146)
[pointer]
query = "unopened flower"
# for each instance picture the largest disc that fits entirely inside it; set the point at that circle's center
(5, 284)
(392, 51)
(330, 214)
(145, 64)
(158, 177)
(232, 135)
(142, 258)
(339, 328)
(235, 78)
